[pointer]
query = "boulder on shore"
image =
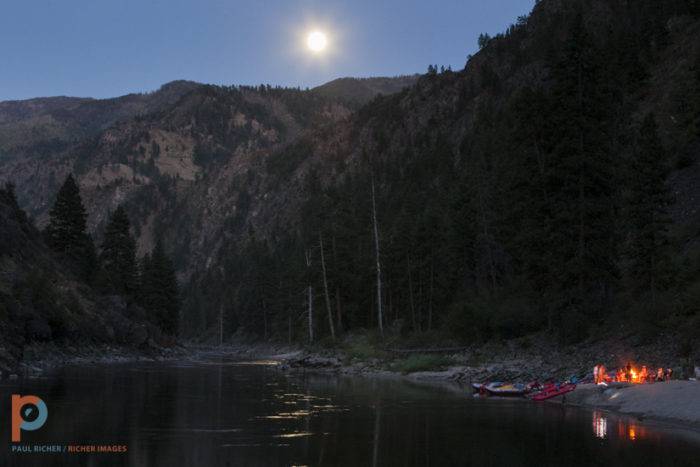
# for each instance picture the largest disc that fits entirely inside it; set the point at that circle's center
(312, 361)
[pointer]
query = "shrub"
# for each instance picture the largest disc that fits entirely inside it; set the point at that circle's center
(363, 347)
(425, 339)
(422, 362)
(468, 321)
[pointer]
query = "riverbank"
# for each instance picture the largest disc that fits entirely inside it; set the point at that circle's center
(676, 402)
(40, 358)
(535, 358)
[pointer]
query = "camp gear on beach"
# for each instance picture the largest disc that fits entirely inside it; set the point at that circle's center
(553, 390)
(506, 389)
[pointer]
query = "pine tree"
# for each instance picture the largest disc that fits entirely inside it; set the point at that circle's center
(67, 222)
(9, 198)
(159, 292)
(694, 100)
(647, 213)
(461, 232)
(694, 7)
(581, 183)
(528, 217)
(483, 40)
(118, 255)
(66, 232)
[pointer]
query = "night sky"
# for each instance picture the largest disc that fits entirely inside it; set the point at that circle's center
(103, 48)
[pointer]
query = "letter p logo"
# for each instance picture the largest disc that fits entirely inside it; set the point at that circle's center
(29, 413)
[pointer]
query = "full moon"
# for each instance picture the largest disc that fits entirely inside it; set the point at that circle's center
(316, 41)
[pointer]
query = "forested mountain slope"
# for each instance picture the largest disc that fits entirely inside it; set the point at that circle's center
(37, 126)
(42, 301)
(552, 184)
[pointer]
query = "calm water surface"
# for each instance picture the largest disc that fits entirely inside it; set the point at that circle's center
(230, 413)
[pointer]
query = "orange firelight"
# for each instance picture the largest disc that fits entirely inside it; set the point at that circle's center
(631, 374)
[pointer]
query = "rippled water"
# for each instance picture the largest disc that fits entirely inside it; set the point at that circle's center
(228, 413)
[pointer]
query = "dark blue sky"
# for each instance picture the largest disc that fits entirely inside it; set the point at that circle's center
(104, 48)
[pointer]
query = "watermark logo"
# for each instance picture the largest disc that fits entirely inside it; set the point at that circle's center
(29, 413)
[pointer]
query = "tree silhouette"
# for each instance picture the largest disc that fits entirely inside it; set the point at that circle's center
(159, 293)
(66, 232)
(118, 255)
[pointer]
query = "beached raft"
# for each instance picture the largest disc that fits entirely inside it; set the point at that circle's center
(533, 390)
(501, 389)
(553, 390)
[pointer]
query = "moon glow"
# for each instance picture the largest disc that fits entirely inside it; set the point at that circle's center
(316, 41)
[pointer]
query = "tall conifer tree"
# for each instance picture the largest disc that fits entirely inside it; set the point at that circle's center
(647, 212)
(581, 182)
(118, 255)
(159, 293)
(66, 232)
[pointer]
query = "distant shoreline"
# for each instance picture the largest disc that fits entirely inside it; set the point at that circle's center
(41, 358)
(675, 404)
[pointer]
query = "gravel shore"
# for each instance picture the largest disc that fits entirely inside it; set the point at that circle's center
(676, 402)
(672, 401)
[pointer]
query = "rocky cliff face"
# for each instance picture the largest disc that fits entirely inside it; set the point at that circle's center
(184, 159)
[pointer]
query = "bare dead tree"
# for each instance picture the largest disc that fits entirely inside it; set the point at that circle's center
(410, 293)
(310, 298)
(325, 287)
(221, 325)
(338, 309)
(380, 318)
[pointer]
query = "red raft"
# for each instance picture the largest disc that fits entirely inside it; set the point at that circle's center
(553, 390)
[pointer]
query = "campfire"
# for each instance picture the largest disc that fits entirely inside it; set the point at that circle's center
(630, 374)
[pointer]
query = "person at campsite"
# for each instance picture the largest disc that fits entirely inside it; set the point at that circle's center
(595, 374)
(660, 374)
(643, 374)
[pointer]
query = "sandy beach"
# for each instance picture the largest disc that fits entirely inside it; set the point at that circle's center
(672, 401)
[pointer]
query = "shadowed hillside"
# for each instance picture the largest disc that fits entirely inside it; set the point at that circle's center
(43, 301)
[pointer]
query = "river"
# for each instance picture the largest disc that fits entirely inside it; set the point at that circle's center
(217, 412)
